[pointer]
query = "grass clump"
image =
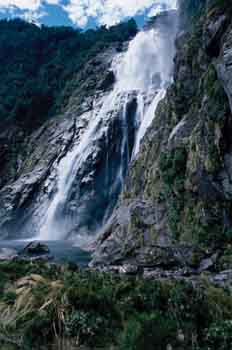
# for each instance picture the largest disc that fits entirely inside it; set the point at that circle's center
(103, 310)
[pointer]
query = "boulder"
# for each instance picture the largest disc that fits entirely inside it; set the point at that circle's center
(208, 263)
(7, 254)
(36, 248)
(223, 278)
(128, 269)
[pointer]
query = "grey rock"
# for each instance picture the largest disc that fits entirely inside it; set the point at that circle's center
(179, 136)
(128, 269)
(225, 177)
(39, 258)
(223, 278)
(224, 65)
(213, 30)
(182, 273)
(27, 198)
(7, 254)
(208, 263)
(35, 248)
(107, 81)
(177, 202)
(125, 269)
(129, 226)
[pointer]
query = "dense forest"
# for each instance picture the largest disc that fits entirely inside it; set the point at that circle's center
(37, 64)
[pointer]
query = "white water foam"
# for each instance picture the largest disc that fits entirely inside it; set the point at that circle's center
(143, 70)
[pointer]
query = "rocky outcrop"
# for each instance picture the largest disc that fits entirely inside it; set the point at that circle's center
(178, 192)
(224, 64)
(36, 248)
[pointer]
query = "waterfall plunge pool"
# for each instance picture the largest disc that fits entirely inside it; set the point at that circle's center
(61, 251)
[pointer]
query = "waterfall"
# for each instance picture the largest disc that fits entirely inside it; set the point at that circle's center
(54, 228)
(91, 175)
(147, 119)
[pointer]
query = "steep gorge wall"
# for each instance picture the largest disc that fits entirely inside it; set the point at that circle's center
(30, 169)
(73, 167)
(40, 69)
(177, 203)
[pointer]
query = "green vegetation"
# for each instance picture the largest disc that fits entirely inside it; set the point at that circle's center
(189, 173)
(173, 169)
(38, 65)
(219, 5)
(43, 302)
(219, 109)
(190, 11)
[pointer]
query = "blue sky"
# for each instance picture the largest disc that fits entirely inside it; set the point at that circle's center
(82, 13)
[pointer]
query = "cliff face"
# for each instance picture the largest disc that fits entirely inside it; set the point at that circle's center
(43, 70)
(30, 161)
(70, 171)
(176, 208)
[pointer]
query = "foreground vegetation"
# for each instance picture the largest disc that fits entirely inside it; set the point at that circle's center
(41, 303)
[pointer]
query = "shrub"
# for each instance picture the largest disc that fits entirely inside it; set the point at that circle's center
(219, 336)
(148, 331)
(87, 327)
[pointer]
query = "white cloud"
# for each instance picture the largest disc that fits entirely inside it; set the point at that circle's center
(33, 16)
(112, 11)
(27, 5)
(31, 5)
(106, 12)
(30, 10)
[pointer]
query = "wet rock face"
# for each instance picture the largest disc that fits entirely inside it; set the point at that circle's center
(213, 32)
(8, 254)
(29, 180)
(224, 64)
(132, 224)
(12, 142)
(46, 145)
(73, 169)
(98, 180)
(182, 178)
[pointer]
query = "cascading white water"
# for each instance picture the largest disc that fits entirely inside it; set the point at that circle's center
(53, 228)
(147, 120)
(146, 60)
(143, 72)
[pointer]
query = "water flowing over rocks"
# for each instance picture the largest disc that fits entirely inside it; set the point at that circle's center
(69, 182)
(126, 199)
(7, 254)
(141, 156)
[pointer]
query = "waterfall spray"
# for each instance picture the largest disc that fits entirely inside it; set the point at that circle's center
(142, 75)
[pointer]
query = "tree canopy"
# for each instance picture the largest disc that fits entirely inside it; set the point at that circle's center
(37, 63)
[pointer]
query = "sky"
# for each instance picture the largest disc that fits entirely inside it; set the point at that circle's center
(82, 13)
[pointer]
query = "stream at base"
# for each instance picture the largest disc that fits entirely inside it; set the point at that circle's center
(61, 251)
